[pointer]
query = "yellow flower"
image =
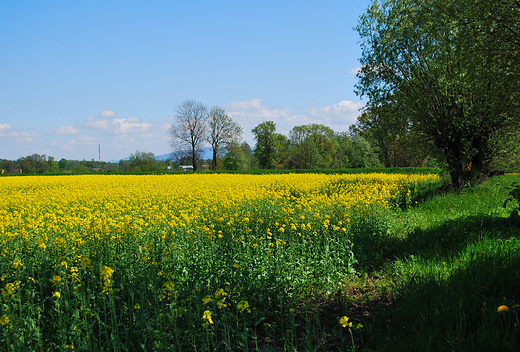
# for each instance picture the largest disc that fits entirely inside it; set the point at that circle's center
(57, 294)
(56, 279)
(17, 264)
(207, 316)
(206, 300)
(106, 274)
(4, 320)
(344, 322)
(243, 305)
(503, 309)
(220, 292)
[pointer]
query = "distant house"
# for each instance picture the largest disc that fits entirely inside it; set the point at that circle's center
(15, 171)
(186, 167)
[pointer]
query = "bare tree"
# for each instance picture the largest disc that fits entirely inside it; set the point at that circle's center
(188, 132)
(222, 131)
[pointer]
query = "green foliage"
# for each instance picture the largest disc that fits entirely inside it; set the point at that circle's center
(143, 162)
(439, 66)
(363, 154)
(80, 169)
(270, 145)
(63, 164)
(311, 146)
(237, 157)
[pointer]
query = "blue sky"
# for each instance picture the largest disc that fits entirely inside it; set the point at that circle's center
(75, 74)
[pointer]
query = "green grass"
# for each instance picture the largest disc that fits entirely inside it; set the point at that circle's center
(449, 263)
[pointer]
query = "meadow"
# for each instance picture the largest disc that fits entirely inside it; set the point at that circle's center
(257, 262)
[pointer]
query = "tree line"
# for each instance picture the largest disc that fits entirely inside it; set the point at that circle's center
(312, 146)
(43, 164)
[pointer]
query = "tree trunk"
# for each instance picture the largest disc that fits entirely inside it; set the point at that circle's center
(480, 162)
(194, 159)
(214, 161)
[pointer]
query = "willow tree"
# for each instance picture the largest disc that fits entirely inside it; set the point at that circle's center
(439, 64)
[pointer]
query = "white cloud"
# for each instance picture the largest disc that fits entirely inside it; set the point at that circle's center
(107, 113)
(5, 126)
(344, 108)
(97, 124)
(131, 125)
(66, 130)
(314, 102)
(119, 126)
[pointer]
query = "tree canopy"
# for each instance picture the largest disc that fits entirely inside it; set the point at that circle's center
(439, 66)
(269, 145)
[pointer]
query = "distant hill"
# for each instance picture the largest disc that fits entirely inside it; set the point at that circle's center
(207, 153)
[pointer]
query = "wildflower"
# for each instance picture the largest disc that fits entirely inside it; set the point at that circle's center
(220, 292)
(10, 289)
(17, 264)
(344, 322)
(74, 274)
(243, 305)
(4, 320)
(503, 309)
(137, 306)
(57, 294)
(106, 275)
(207, 299)
(359, 326)
(56, 279)
(207, 316)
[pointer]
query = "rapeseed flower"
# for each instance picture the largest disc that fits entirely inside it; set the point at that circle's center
(243, 306)
(344, 321)
(207, 316)
(4, 320)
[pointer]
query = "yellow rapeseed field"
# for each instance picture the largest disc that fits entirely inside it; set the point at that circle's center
(44, 208)
(133, 257)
